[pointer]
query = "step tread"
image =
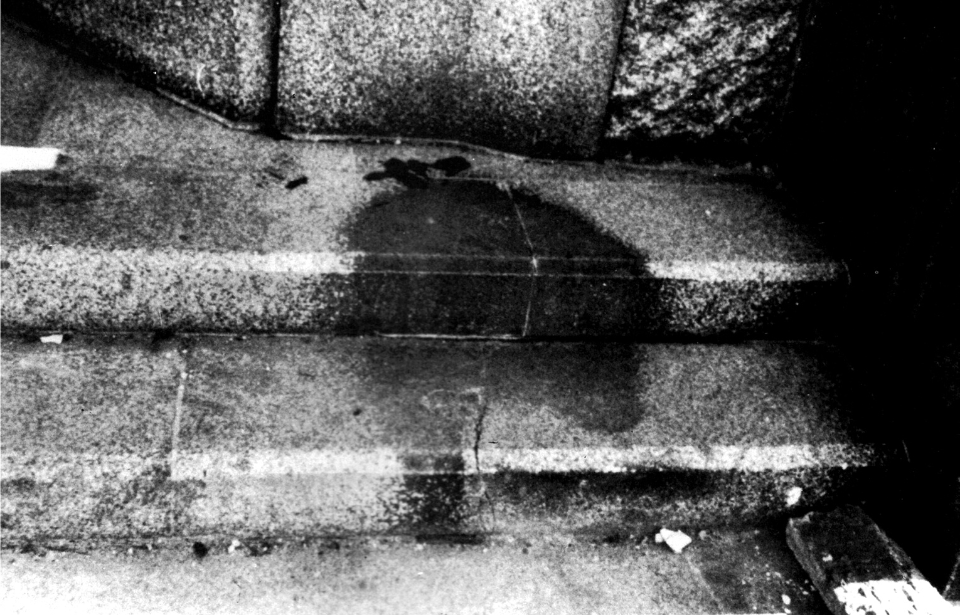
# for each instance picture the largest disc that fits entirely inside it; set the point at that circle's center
(360, 434)
(164, 219)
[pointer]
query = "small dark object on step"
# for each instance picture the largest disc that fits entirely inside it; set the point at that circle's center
(200, 550)
(33, 549)
(296, 183)
(451, 166)
(417, 167)
(415, 173)
(397, 169)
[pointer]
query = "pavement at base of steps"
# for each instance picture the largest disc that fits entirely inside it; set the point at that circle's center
(722, 572)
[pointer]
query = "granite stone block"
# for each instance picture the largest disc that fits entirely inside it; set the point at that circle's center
(528, 77)
(217, 56)
(693, 72)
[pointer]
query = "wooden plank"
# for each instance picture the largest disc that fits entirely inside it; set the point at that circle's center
(859, 569)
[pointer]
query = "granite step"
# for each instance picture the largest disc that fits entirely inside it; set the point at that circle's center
(164, 220)
(138, 435)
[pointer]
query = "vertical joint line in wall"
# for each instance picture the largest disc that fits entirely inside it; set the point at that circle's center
(273, 70)
(615, 66)
(534, 265)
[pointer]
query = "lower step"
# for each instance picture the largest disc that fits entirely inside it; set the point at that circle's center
(127, 435)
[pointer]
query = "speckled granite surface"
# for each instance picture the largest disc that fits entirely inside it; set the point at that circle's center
(691, 71)
(529, 77)
(216, 55)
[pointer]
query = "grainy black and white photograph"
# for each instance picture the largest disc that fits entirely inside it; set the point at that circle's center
(470, 307)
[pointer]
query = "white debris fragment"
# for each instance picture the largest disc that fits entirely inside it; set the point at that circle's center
(793, 495)
(675, 540)
(828, 558)
(234, 545)
(52, 339)
(13, 158)
(786, 599)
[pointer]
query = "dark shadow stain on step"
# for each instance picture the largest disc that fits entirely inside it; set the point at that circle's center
(28, 190)
(597, 386)
(446, 253)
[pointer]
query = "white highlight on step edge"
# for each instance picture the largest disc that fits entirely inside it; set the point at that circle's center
(717, 457)
(391, 462)
(15, 158)
(345, 263)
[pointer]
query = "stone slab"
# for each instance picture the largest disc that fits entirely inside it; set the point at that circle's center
(531, 77)
(342, 435)
(703, 78)
(857, 568)
(216, 57)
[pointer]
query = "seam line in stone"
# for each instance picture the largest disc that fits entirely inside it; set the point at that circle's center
(177, 419)
(534, 265)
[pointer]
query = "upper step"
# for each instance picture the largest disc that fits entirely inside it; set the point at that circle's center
(165, 220)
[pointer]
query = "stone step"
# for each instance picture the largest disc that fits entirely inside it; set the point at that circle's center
(164, 220)
(132, 435)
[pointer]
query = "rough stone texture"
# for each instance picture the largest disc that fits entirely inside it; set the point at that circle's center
(857, 568)
(352, 435)
(217, 55)
(529, 77)
(693, 72)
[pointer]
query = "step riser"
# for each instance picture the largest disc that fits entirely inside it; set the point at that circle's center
(97, 503)
(70, 289)
(126, 435)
